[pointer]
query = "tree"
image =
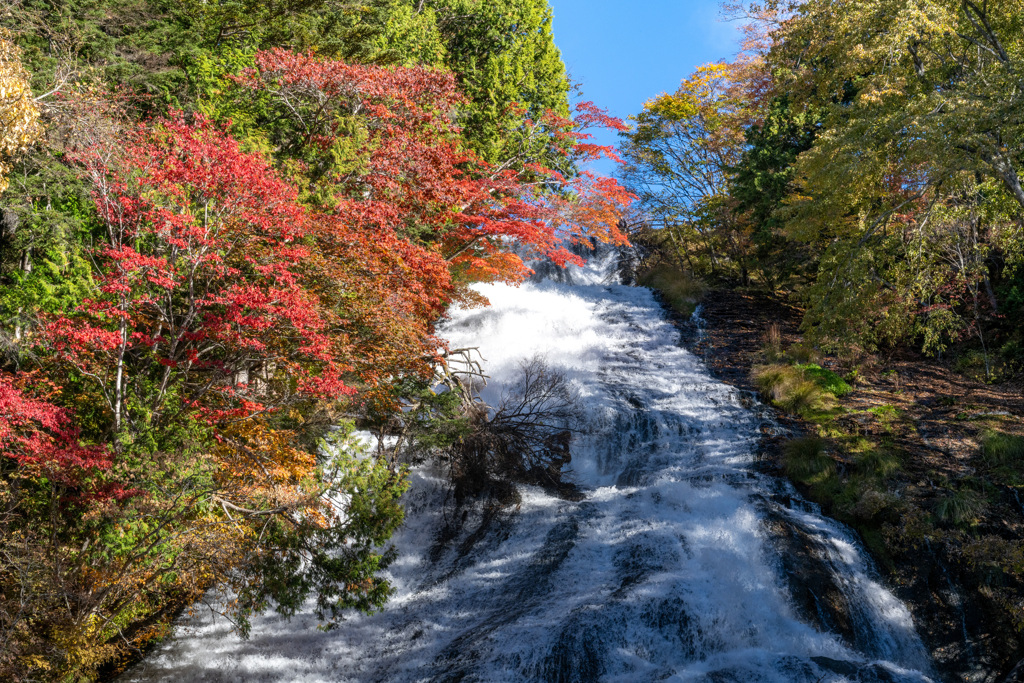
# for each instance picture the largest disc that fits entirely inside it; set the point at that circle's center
(680, 156)
(942, 76)
(202, 258)
(763, 179)
(397, 163)
(914, 100)
(508, 67)
(39, 438)
(19, 115)
(210, 360)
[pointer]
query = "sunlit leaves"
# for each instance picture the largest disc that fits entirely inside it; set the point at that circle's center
(19, 115)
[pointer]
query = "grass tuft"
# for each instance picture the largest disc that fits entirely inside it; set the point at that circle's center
(878, 462)
(806, 460)
(803, 354)
(679, 290)
(771, 343)
(774, 380)
(960, 507)
(1000, 449)
(826, 379)
(798, 389)
(805, 397)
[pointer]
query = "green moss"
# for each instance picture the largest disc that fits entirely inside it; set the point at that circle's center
(885, 412)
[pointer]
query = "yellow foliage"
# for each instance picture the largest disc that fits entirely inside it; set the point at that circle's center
(19, 115)
(671, 107)
(263, 465)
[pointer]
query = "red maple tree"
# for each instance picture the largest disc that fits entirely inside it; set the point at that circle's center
(200, 288)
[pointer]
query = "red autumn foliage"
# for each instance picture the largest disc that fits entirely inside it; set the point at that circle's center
(200, 285)
(41, 438)
(216, 281)
(419, 182)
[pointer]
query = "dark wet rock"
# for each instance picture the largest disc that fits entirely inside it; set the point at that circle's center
(812, 585)
(1017, 675)
(577, 654)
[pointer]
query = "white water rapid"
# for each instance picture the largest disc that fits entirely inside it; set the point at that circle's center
(682, 562)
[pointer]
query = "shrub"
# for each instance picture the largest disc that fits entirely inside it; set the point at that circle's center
(525, 440)
(805, 459)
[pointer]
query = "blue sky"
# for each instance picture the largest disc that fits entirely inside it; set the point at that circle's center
(625, 53)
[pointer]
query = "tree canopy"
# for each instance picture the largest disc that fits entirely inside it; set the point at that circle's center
(229, 232)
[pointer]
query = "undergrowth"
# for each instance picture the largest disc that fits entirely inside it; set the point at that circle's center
(806, 460)
(853, 465)
(679, 290)
(796, 390)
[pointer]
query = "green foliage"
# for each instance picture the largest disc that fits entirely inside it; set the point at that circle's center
(338, 563)
(772, 380)
(791, 388)
(505, 57)
(803, 398)
(879, 183)
(44, 266)
(131, 43)
(763, 179)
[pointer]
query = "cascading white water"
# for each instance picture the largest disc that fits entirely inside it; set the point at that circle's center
(682, 562)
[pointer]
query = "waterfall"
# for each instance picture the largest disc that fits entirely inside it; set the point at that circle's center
(682, 562)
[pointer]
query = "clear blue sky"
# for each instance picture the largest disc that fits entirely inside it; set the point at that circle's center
(625, 53)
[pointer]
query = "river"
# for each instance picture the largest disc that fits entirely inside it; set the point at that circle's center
(682, 562)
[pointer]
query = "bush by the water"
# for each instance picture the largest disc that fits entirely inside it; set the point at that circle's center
(524, 440)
